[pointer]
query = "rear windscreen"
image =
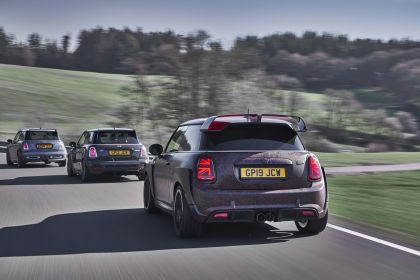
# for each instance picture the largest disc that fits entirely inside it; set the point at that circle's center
(117, 137)
(254, 137)
(41, 135)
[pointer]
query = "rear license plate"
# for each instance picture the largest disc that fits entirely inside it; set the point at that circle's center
(262, 173)
(44, 146)
(119, 152)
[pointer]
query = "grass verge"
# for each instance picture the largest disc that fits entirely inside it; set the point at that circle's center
(347, 159)
(387, 201)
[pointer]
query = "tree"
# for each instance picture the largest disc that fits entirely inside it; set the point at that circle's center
(34, 40)
(65, 42)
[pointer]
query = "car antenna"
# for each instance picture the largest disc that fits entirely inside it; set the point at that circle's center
(247, 116)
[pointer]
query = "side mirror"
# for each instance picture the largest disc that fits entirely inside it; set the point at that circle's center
(10, 141)
(156, 149)
(72, 144)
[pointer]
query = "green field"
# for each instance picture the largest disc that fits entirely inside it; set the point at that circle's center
(387, 201)
(37, 96)
(346, 159)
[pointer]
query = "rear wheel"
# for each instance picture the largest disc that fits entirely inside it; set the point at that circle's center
(184, 223)
(70, 171)
(86, 176)
(312, 226)
(8, 160)
(21, 163)
(148, 199)
(62, 163)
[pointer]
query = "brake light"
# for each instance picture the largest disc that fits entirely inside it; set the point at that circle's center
(143, 152)
(92, 152)
(217, 126)
(315, 171)
(205, 169)
(62, 147)
(25, 147)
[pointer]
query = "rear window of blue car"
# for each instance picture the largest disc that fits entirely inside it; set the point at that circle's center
(41, 135)
(254, 137)
(117, 137)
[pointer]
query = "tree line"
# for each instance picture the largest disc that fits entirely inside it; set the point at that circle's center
(103, 50)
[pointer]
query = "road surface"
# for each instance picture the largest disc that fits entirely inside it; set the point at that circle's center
(54, 227)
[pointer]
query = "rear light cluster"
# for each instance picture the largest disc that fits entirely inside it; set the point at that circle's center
(143, 152)
(62, 147)
(315, 172)
(92, 152)
(205, 169)
(25, 147)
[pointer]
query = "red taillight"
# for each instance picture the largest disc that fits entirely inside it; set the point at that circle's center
(205, 169)
(25, 147)
(143, 152)
(217, 125)
(92, 152)
(315, 172)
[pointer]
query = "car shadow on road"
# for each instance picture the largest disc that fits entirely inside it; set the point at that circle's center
(126, 230)
(62, 180)
(28, 166)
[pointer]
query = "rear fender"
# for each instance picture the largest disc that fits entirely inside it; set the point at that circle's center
(182, 177)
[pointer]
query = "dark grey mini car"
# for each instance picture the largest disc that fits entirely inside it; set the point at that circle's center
(237, 168)
(115, 151)
(36, 145)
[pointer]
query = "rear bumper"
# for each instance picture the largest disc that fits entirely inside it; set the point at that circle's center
(126, 167)
(44, 156)
(244, 205)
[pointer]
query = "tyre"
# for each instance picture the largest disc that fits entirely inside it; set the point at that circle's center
(8, 160)
(62, 163)
(86, 176)
(21, 163)
(148, 199)
(70, 171)
(184, 223)
(312, 226)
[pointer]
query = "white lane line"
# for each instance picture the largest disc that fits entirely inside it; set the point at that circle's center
(377, 240)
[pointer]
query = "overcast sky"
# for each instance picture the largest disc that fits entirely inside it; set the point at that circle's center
(223, 19)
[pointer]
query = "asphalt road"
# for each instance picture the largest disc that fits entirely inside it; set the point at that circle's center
(54, 227)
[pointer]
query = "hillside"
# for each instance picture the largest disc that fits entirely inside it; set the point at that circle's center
(50, 97)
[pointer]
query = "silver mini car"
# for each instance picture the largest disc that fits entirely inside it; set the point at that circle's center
(36, 145)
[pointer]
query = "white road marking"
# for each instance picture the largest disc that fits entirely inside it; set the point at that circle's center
(377, 240)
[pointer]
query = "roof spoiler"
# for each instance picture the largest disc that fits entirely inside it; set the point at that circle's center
(298, 124)
(217, 123)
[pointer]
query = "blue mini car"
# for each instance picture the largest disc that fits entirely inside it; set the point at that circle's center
(36, 145)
